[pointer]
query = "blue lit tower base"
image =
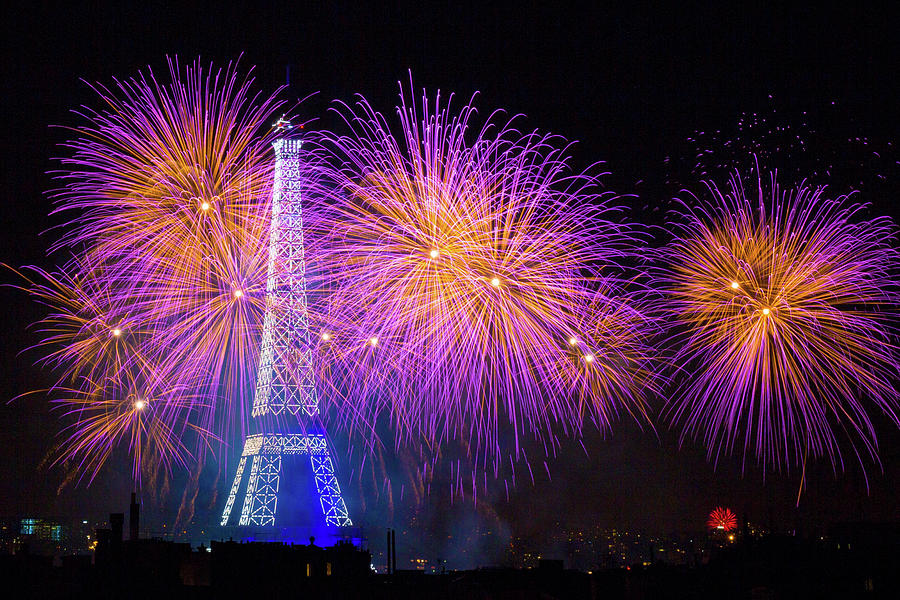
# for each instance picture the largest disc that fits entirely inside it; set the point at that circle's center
(285, 406)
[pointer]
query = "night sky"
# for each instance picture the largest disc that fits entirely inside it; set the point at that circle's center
(629, 85)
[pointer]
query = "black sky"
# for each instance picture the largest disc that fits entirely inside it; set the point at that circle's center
(629, 83)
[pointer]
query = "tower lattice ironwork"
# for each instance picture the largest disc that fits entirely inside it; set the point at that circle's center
(285, 386)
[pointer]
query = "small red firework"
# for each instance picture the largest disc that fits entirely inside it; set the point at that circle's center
(722, 519)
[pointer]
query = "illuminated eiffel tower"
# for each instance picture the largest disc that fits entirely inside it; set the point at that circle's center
(285, 386)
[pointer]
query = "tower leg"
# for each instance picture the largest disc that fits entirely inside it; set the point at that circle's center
(229, 504)
(264, 497)
(330, 499)
(248, 496)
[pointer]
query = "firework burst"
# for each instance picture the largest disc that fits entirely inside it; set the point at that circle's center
(722, 519)
(456, 264)
(87, 335)
(150, 172)
(782, 311)
(139, 410)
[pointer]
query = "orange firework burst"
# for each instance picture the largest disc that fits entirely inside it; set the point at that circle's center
(153, 320)
(781, 309)
(88, 334)
(139, 410)
(161, 161)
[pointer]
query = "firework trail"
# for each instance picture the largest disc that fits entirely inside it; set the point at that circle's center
(782, 309)
(469, 282)
(110, 393)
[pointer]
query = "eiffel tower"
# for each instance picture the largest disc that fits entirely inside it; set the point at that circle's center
(285, 387)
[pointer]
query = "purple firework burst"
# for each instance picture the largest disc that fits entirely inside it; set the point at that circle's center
(470, 284)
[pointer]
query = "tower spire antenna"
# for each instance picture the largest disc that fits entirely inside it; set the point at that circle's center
(283, 125)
